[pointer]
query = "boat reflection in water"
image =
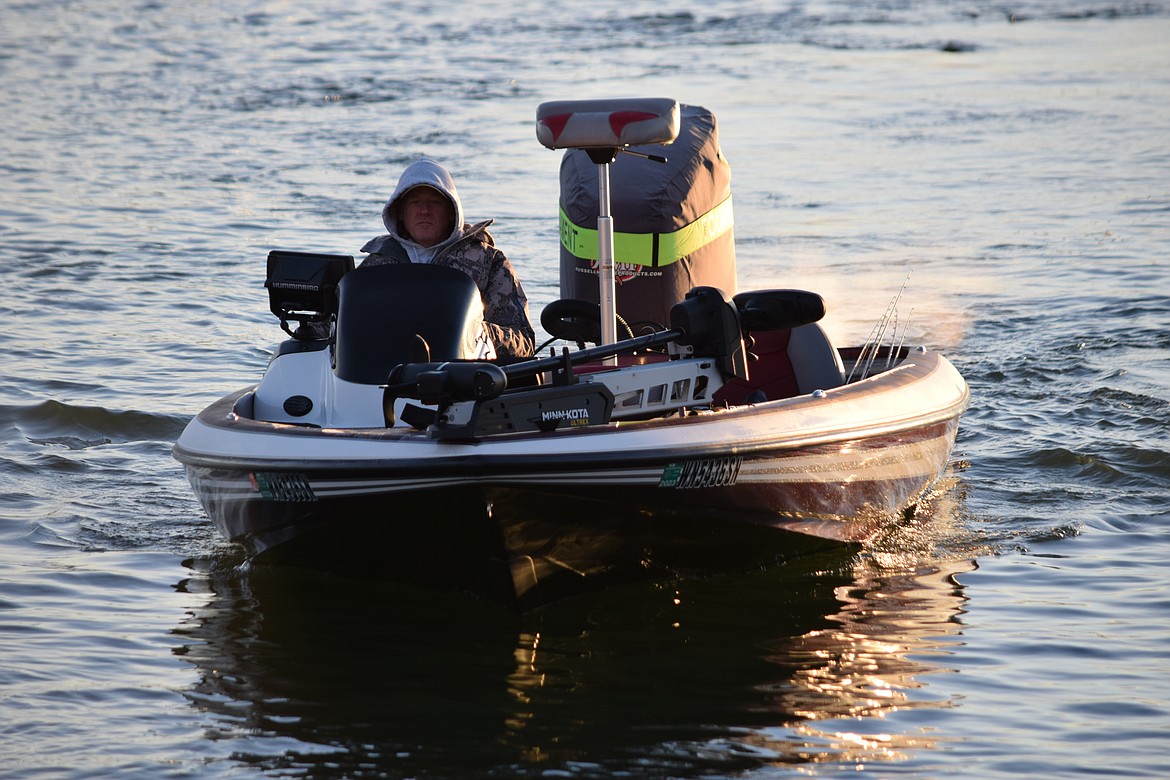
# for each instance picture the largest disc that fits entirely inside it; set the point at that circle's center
(818, 660)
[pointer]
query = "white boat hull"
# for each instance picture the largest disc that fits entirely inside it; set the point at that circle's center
(834, 465)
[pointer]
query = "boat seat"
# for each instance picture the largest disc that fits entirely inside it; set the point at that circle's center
(791, 362)
(771, 374)
(815, 362)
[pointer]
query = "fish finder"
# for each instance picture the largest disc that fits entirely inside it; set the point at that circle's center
(302, 288)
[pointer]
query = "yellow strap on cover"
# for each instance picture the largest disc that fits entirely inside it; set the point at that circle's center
(650, 249)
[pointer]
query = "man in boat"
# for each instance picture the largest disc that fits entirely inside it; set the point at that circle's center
(425, 220)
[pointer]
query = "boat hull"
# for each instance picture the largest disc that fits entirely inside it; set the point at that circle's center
(830, 467)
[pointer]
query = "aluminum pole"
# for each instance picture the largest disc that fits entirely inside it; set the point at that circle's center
(605, 267)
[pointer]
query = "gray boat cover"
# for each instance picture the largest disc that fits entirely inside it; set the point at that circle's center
(672, 222)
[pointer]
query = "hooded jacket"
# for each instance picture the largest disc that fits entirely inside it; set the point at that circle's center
(468, 248)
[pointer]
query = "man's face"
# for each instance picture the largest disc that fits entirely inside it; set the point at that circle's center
(427, 215)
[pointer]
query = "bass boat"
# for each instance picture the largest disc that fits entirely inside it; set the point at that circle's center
(732, 434)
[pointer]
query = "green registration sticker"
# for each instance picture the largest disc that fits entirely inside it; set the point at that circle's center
(670, 475)
(705, 473)
(282, 487)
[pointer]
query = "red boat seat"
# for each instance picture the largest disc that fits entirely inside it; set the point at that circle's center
(771, 374)
(790, 362)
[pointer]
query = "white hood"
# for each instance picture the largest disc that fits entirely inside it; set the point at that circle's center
(425, 172)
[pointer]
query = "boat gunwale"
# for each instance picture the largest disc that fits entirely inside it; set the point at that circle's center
(910, 371)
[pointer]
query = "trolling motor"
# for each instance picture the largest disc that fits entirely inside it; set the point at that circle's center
(473, 397)
(706, 321)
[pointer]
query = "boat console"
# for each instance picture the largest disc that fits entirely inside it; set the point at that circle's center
(406, 313)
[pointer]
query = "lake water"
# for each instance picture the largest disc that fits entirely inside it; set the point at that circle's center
(1011, 159)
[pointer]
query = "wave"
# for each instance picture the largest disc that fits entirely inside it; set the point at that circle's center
(829, 25)
(93, 478)
(80, 427)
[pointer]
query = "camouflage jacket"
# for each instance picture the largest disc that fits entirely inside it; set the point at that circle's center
(475, 254)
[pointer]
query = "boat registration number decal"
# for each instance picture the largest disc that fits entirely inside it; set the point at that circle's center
(282, 487)
(711, 472)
